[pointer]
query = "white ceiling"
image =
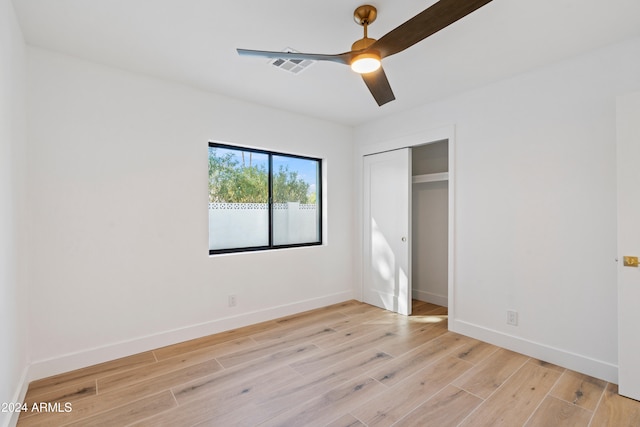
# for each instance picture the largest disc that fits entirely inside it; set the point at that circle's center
(194, 42)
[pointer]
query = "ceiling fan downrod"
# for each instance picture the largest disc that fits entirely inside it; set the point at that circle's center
(364, 15)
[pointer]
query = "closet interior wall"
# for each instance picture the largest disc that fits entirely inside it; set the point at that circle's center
(430, 201)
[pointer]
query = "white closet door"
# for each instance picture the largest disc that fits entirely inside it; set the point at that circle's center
(628, 124)
(387, 233)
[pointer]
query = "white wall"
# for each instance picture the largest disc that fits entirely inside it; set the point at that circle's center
(535, 197)
(119, 227)
(13, 285)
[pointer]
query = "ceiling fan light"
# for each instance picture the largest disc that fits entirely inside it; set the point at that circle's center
(365, 63)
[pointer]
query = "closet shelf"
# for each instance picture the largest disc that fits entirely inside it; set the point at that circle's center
(431, 177)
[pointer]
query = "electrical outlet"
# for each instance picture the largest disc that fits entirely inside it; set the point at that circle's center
(232, 301)
(512, 317)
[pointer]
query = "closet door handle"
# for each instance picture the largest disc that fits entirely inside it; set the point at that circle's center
(404, 239)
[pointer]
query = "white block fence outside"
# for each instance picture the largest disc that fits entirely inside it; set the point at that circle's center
(247, 224)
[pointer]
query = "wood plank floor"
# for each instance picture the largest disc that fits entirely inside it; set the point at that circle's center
(349, 364)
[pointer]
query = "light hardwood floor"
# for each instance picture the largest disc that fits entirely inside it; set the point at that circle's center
(349, 364)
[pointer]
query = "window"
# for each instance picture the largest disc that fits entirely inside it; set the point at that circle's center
(262, 200)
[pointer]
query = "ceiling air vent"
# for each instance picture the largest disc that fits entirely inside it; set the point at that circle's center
(293, 66)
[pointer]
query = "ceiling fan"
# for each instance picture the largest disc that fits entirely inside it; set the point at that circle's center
(365, 54)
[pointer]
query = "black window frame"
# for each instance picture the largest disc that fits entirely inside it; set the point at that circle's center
(271, 246)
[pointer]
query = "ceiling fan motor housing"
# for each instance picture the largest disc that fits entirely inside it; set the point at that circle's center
(363, 43)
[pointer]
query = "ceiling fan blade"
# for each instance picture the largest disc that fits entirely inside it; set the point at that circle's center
(379, 86)
(424, 24)
(342, 58)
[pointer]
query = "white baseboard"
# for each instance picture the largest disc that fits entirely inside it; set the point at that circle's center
(576, 362)
(442, 300)
(18, 396)
(68, 362)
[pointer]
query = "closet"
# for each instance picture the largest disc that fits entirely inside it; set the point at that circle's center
(429, 222)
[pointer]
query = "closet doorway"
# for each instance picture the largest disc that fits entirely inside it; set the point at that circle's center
(428, 236)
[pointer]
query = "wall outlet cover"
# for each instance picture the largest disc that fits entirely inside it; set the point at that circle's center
(512, 317)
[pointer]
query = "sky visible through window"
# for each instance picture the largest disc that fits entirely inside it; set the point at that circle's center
(307, 169)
